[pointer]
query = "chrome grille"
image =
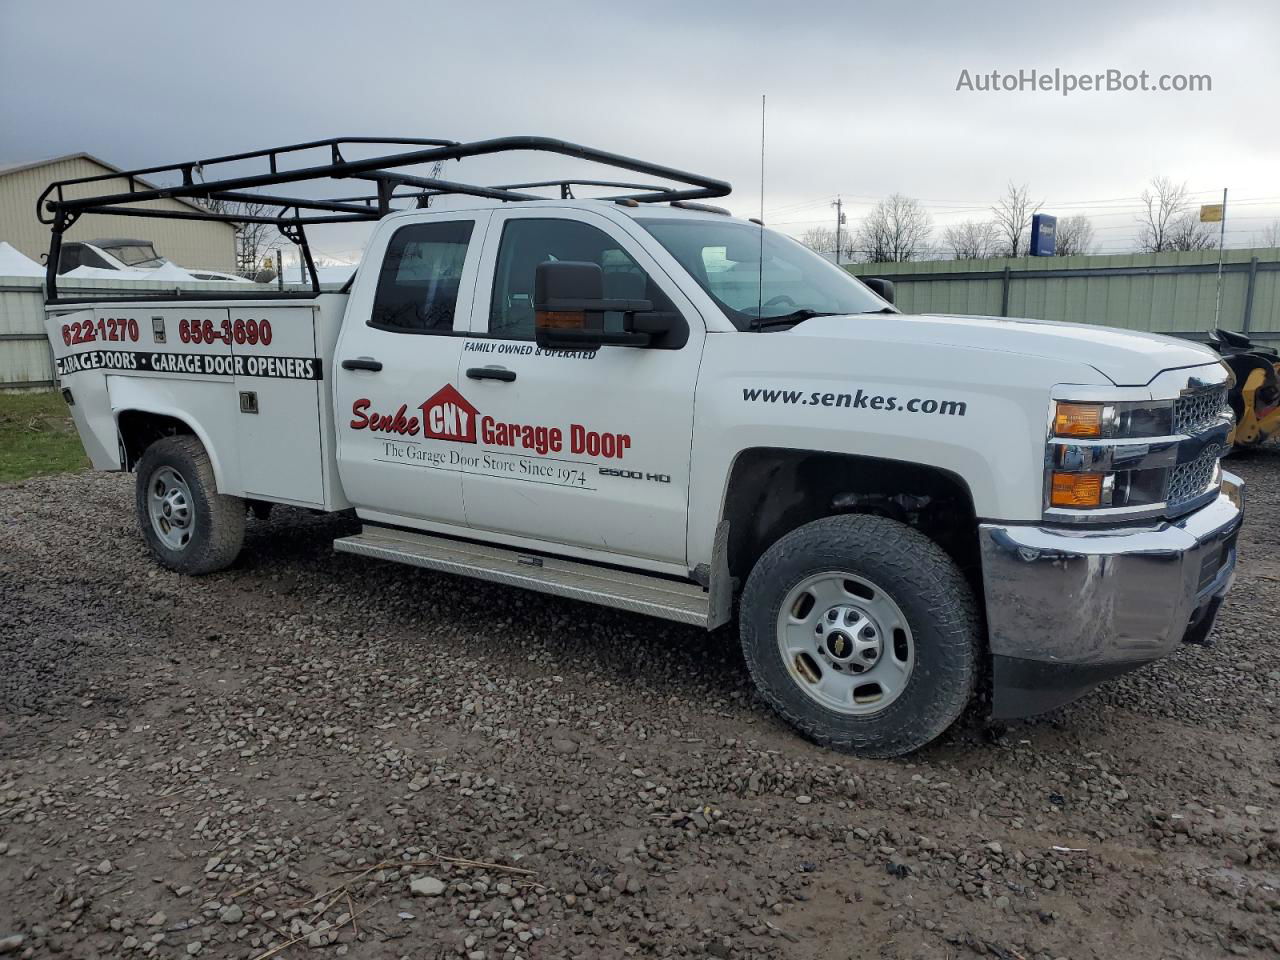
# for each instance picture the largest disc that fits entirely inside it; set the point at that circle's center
(1195, 411)
(1188, 480)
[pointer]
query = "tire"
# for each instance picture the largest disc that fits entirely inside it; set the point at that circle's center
(202, 530)
(913, 617)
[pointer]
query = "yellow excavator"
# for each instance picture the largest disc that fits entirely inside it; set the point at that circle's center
(1255, 396)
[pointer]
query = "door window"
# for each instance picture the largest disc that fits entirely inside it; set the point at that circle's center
(419, 278)
(527, 242)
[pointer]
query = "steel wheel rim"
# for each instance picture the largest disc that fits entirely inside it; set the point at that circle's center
(171, 507)
(845, 643)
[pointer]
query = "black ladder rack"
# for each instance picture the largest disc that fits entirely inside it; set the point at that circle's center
(295, 214)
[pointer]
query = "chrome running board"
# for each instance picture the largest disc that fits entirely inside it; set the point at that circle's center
(625, 589)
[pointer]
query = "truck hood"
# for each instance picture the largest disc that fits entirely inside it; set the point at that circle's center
(1125, 357)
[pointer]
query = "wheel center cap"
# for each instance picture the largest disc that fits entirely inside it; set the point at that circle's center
(839, 645)
(849, 639)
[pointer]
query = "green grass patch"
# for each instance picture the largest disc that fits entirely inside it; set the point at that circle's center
(37, 436)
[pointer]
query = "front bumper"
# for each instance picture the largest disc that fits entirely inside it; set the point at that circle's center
(1070, 607)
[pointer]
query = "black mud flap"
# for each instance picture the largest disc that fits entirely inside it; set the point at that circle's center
(1025, 688)
(1200, 628)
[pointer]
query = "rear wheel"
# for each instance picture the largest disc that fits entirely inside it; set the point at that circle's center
(188, 525)
(862, 633)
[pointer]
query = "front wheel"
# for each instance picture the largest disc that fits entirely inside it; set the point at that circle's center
(862, 633)
(188, 525)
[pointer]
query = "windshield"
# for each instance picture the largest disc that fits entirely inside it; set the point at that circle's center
(724, 257)
(135, 254)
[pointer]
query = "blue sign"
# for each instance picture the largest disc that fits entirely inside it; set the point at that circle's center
(1044, 235)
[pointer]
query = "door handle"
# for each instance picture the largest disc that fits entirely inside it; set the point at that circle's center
(362, 363)
(491, 373)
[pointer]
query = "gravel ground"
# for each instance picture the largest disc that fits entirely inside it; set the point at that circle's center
(366, 760)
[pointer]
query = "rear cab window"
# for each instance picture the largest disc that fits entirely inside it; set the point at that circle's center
(420, 277)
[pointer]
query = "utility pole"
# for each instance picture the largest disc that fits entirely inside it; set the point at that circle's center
(1222, 242)
(839, 222)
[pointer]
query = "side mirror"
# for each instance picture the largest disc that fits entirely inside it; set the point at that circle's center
(569, 307)
(881, 288)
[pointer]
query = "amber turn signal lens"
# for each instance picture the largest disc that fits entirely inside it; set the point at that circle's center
(1078, 420)
(560, 319)
(1076, 490)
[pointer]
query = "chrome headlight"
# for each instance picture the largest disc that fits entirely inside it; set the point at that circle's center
(1130, 459)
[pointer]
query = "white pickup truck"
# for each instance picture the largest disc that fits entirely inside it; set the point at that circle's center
(658, 407)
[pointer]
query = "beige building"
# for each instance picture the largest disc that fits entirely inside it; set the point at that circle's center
(188, 243)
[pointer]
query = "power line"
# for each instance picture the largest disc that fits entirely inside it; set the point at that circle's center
(800, 206)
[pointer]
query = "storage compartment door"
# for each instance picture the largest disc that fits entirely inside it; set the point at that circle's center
(279, 382)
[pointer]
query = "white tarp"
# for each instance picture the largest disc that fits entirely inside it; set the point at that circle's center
(14, 264)
(106, 273)
(169, 271)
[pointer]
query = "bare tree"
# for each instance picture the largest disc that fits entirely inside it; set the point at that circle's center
(254, 241)
(1188, 233)
(823, 240)
(1271, 234)
(898, 228)
(971, 240)
(1074, 236)
(1166, 223)
(819, 239)
(1012, 215)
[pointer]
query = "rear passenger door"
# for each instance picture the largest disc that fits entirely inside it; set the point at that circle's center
(398, 416)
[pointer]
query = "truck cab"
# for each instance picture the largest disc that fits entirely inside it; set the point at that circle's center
(659, 407)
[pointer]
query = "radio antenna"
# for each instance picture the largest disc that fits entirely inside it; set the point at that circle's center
(760, 274)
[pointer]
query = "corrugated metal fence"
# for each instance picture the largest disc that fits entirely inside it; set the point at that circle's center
(24, 351)
(1160, 292)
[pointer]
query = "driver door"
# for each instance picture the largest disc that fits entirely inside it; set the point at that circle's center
(589, 449)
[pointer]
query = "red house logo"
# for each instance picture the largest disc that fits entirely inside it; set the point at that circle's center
(448, 415)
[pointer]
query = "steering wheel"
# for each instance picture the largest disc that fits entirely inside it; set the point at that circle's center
(777, 301)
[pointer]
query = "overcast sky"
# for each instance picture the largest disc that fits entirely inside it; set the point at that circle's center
(862, 98)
